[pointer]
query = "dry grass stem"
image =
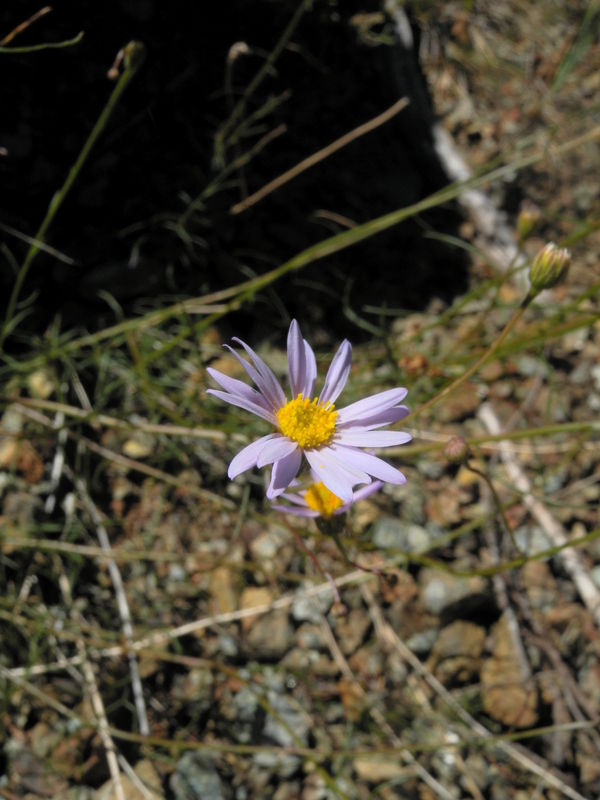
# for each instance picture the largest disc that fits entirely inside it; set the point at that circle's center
(320, 155)
(121, 598)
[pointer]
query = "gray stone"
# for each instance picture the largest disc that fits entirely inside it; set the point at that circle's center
(228, 645)
(431, 469)
(477, 769)
(195, 686)
(311, 609)
(266, 546)
(532, 539)
(581, 373)
(310, 637)
(422, 642)
(196, 778)
(247, 708)
(413, 503)
(284, 764)
(390, 533)
(531, 366)
(286, 720)
(177, 573)
(446, 594)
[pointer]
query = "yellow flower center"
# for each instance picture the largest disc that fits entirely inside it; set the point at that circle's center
(306, 422)
(321, 499)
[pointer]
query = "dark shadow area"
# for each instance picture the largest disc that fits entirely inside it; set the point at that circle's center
(119, 224)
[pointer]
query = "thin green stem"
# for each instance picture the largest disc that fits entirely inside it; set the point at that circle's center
(133, 59)
(449, 388)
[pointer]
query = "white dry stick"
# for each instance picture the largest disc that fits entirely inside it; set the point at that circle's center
(122, 604)
(570, 558)
(44, 669)
(58, 462)
(387, 635)
(103, 727)
(94, 694)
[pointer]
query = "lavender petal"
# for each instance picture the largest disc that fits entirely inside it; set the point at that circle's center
(239, 388)
(277, 448)
(246, 458)
(241, 402)
(296, 355)
(371, 464)
(269, 384)
(294, 498)
(311, 371)
(283, 473)
(354, 438)
(331, 473)
(367, 491)
(387, 417)
(252, 373)
(337, 374)
(361, 494)
(295, 510)
(352, 474)
(382, 401)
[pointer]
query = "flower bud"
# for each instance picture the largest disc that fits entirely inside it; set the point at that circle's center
(457, 450)
(549, 267)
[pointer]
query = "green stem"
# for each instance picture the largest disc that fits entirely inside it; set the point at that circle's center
(449, 388)
(134, 52)
(35, 48)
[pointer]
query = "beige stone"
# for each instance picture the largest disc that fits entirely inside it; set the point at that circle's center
(145, 773)
(374, 770)
(222, 589)
(253, 596)
(508, 696)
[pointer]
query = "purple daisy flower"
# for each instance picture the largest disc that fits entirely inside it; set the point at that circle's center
(331, 440)
(316, 500)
